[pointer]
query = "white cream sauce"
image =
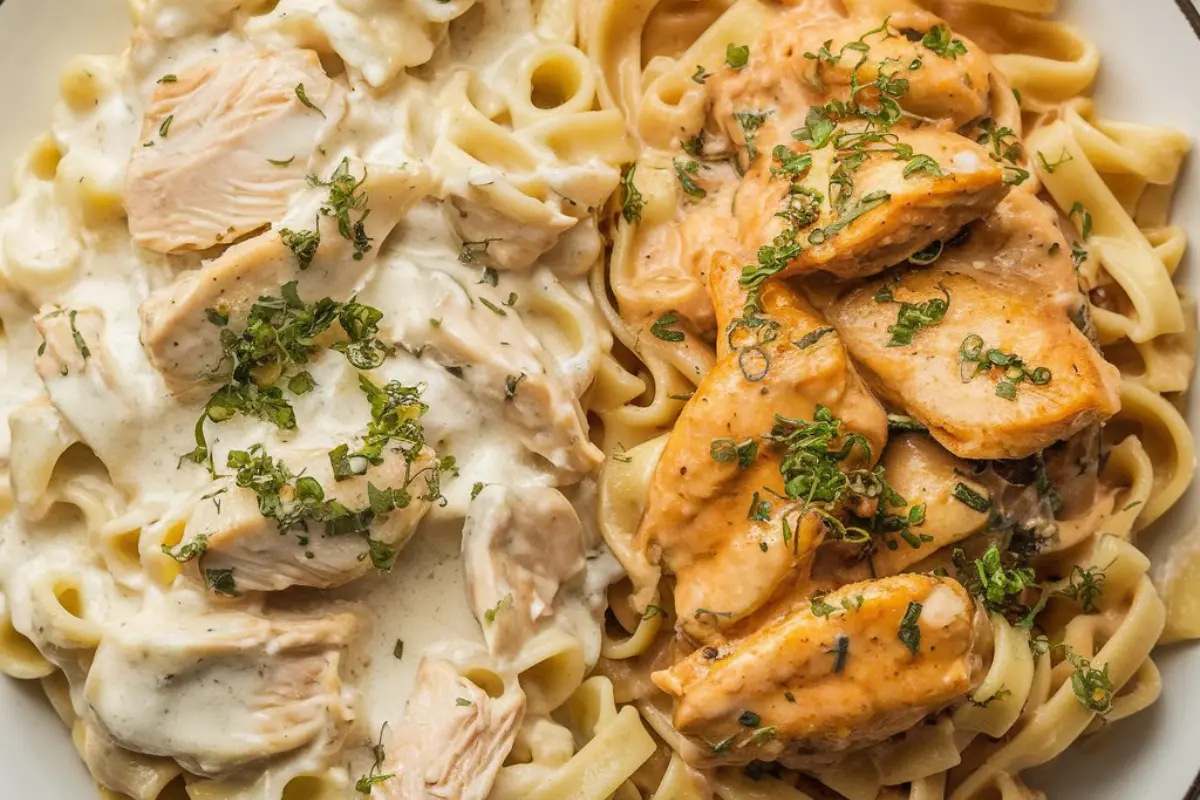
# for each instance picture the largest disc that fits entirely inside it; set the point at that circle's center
(55, 252)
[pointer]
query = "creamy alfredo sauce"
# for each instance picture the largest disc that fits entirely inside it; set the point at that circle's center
(64, 243)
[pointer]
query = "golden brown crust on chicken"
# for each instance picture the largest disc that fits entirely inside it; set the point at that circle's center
(857, 666)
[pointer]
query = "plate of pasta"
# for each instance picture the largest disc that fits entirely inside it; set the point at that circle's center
(631, 399)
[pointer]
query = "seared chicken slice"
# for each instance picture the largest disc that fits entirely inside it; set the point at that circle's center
(892, 214)
(727, 562)
(220, 689)
(229, 531)
(452, 741)
(520, 548)
(951, 82)
(183, 343)
(923, 473)
(1009, 297)
(849, 669)
(225, 146)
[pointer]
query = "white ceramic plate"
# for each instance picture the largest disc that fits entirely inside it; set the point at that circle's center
(1151, 51)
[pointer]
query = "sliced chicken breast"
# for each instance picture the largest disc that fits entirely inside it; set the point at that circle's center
(704, 518)
(221, 689)
(452, 741)
(177, 333)
(849, 669)
(925, 474)
(521, 547)
(893, 212)
(224, 147)
(230, 535)
(1009, 298)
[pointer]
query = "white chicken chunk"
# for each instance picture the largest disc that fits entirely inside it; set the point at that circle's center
(521, 547)
(85, 384)
(232, 536)
(220, 689)
(452, 741)
(224, 147)
(518, 378)
(176, 331)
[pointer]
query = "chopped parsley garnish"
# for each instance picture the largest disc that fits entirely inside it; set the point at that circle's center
(911, 318)
(923, 164)
(812, 337)
(1085, 219)
(280, 335)
(511, 384)
(685, 171)
(726, 451)
(663, 328)
(303, 97)
(375, 775)
(282, 162)
(476, 488)
(1050, 166)
(971, 498)
(760, 510)
(927, 255)
(900, 423)
(303, 243)
(699, 76)
(189, 551)
(632, 202)
(492, 307)
(841, 651)
(345, 199)
(909, 631)
(790, 164)
(653, 611)
(736, 55)
(812, 454)
(819, 607)
(501, 604)
(998, 586)
(940, 41)
(975, 360)
(750, 122)
(1093, 687)
(165, 127)
(77, 337)
(1085, 586)
(470, 251)
(701, 612)
(168, 78)
(398, 650)
(221, 581)
(748, 719)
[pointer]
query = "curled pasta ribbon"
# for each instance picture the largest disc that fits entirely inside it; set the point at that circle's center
(1121, 246)
(19, 656)
(1051, 726)
(624, 489)
(1171, 444)
(611, 745)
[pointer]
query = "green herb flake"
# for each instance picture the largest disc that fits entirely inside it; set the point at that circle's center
(737, 55)
(663, 328)
(685, 171)
(632, 201)
(940, 41)
(303, 97)
(909, 631)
